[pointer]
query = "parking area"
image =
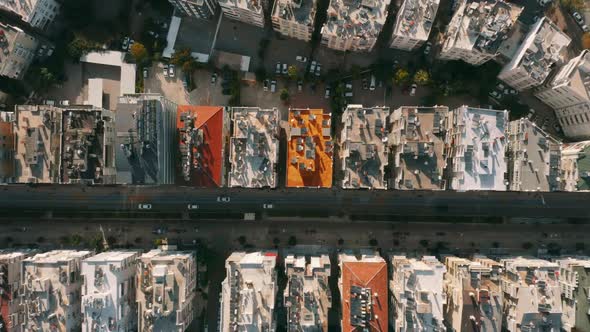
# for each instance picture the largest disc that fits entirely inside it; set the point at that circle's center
(171, 87)
(206, 91)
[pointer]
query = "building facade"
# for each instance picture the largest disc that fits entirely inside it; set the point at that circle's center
(38, 13)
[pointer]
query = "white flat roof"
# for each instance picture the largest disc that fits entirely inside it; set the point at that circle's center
(171, 37)
(95, 92)
(117, 59)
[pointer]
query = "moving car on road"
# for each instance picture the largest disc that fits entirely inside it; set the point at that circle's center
(160, 230)
(223, 199)
(413, 90)
(144, 206)
(267, 206)
(193, 207)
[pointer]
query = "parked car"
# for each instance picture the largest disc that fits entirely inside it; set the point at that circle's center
(585, 28)
(578, 18)
(273, 86)
(165, 70)
(318, 70)
(413, 90)
(531, 114)
(495, 94)
(348, 94)
(372, 86)
(213, 78)
(223, 199)
(193, 207)
(427, 48)
(160, 230)
(312, 67)
(348, 86)
(299, 85)
(265, 85)
(145, 72)
(327, 92)
(365, 84)
(144, 206)
(285, 69)
(301, 58)
(125, 44)
(171, 70)
(557, 127)
(278, 70)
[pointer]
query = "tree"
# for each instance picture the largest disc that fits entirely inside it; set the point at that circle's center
(292, 72)
(401, 76)
(527, 245)
(292, 240)
(586, 40)
(424, 243)
(181, 56)
(138, 52)
(284, 94)
(421, 77)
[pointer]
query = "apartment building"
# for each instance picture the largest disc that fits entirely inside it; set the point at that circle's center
(108, 291)
(363, 291)
(165, 289)
(52, 285)
(294, 18)
(417, 294)
(413, 24)
(254, 147)
(473, 294)
(534, 158)
(11, 311)
(307, 296)
(309, 149)
(363, 150)
(417, 141)
(145, 130)
(248, 292)
(575, 166)
(574, 279)
(18, 49)
(204, 9)
(568, 94)
(247, 11)
(532, 295)
(476, 147)
(477, 30)
(38, 13)
(354, 25)
(543, 47)
(201, 134)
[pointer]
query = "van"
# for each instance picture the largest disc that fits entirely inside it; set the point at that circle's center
(348, 94)
(372, 86)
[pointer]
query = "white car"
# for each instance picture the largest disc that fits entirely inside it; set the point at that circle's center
(578, 18)
(145, 73)
(495, 94)
(278, 70)
(413, 90)
(531, 114)
(312, 67)
(273, 86)
(125, 44)
(585, 28)
(193, 207)
(267, 206)
(223, 199)
(327, 92)
(165, 70)
(318, 70)
(144, 206)
(171, 70)
(301, 58)
(285, 69)
(427, 48)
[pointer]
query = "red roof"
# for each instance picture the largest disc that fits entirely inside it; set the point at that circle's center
(210, 120)
(371, 275)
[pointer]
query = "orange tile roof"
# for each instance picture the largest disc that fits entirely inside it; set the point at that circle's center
(210, 120)
(309, 156)
(372, 275)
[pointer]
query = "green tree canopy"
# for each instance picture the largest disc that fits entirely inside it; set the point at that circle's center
(292, 72)
(421, 77)
(284, 94)
(401, 76)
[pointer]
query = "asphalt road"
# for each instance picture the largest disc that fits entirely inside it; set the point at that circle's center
(357, 204)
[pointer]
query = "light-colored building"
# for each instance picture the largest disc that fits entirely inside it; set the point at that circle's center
(18, 51)
(477, 30)
(307, 296)
(38, 13)
(534, 158)
(11, 310)
(476, 146)
(108, 292)
(247, 11)
(568, 94)
(294, 18)
(413, 24)
(363, 291)
(473, 294)
(363, 150)
(165, 290)
(52, 285)
(532, 295)
(575, 166)
(254, 147)
(354, 25)
(417, 140)
(543, 47)
(417, 294)
(248, 292)
(574, 279)
(204, 9)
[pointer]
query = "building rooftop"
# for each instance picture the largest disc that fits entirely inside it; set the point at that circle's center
(88, 146)
(254, 147)
(201, 133)
(544, 46)
(309, 148)
(356, 18)
(299, 11)
(363, 147)
(417, 137)
(307, 295)
(108, 298)
(363, 291)
(251, 5)
(479, 161)
(576, 169)
(248, 292)
(576, 74)
(415, 18)
(18, 50)
(417, 289)
(481, 25)
(535, 158)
